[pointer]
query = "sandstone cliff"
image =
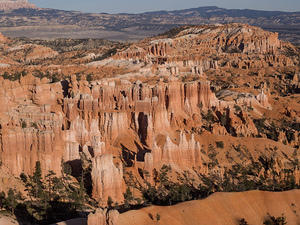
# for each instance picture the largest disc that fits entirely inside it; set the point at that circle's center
(43, 122)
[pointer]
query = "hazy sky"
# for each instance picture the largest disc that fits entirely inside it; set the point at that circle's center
(134, 6)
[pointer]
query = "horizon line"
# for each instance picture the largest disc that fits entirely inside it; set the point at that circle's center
(171, 10)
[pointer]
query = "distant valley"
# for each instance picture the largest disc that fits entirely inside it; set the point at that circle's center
(51, 23)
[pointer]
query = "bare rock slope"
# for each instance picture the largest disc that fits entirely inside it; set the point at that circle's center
(220, 209)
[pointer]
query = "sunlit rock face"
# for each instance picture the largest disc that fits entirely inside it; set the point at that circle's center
(152, 115)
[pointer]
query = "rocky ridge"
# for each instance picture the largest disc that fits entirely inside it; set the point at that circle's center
(15, 4)
(52, 23)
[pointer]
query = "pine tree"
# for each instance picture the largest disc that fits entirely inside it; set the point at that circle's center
(78, 195)
(37, 180)
(53, 198)
(11, 201)
(50, 192)
(128, 197)
(65, 169)
(2, 200)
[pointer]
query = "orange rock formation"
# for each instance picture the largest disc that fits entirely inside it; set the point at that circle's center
(166, 107)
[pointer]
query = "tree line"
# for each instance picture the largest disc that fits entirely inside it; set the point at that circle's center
(48, 198)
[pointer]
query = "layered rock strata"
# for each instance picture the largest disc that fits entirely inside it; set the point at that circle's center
(122, 124)
(51, 122)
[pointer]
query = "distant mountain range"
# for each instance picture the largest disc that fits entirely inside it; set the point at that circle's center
(52, 23)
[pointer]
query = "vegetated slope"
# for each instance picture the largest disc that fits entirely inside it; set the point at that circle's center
(220, 209)
(51, 23)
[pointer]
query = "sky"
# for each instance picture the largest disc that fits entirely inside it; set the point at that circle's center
(136, 6)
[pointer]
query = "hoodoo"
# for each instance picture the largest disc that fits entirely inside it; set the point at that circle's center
(150, 122)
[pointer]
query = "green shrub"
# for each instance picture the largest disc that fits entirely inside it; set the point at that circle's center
(24, 125)
(220, 144)
(223, 119)
(237, 108)
(34, 125)
(243, 222)
(158, 217)
(166, 191)
(209, 117)
(272, 220)
(110, 202)
(89, 77)
(150, 216)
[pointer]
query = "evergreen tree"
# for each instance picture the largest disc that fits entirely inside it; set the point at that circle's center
(128, 197)
(37, 181)
(2, 200)
(78, 194)
(11, 201)
(53, 198)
